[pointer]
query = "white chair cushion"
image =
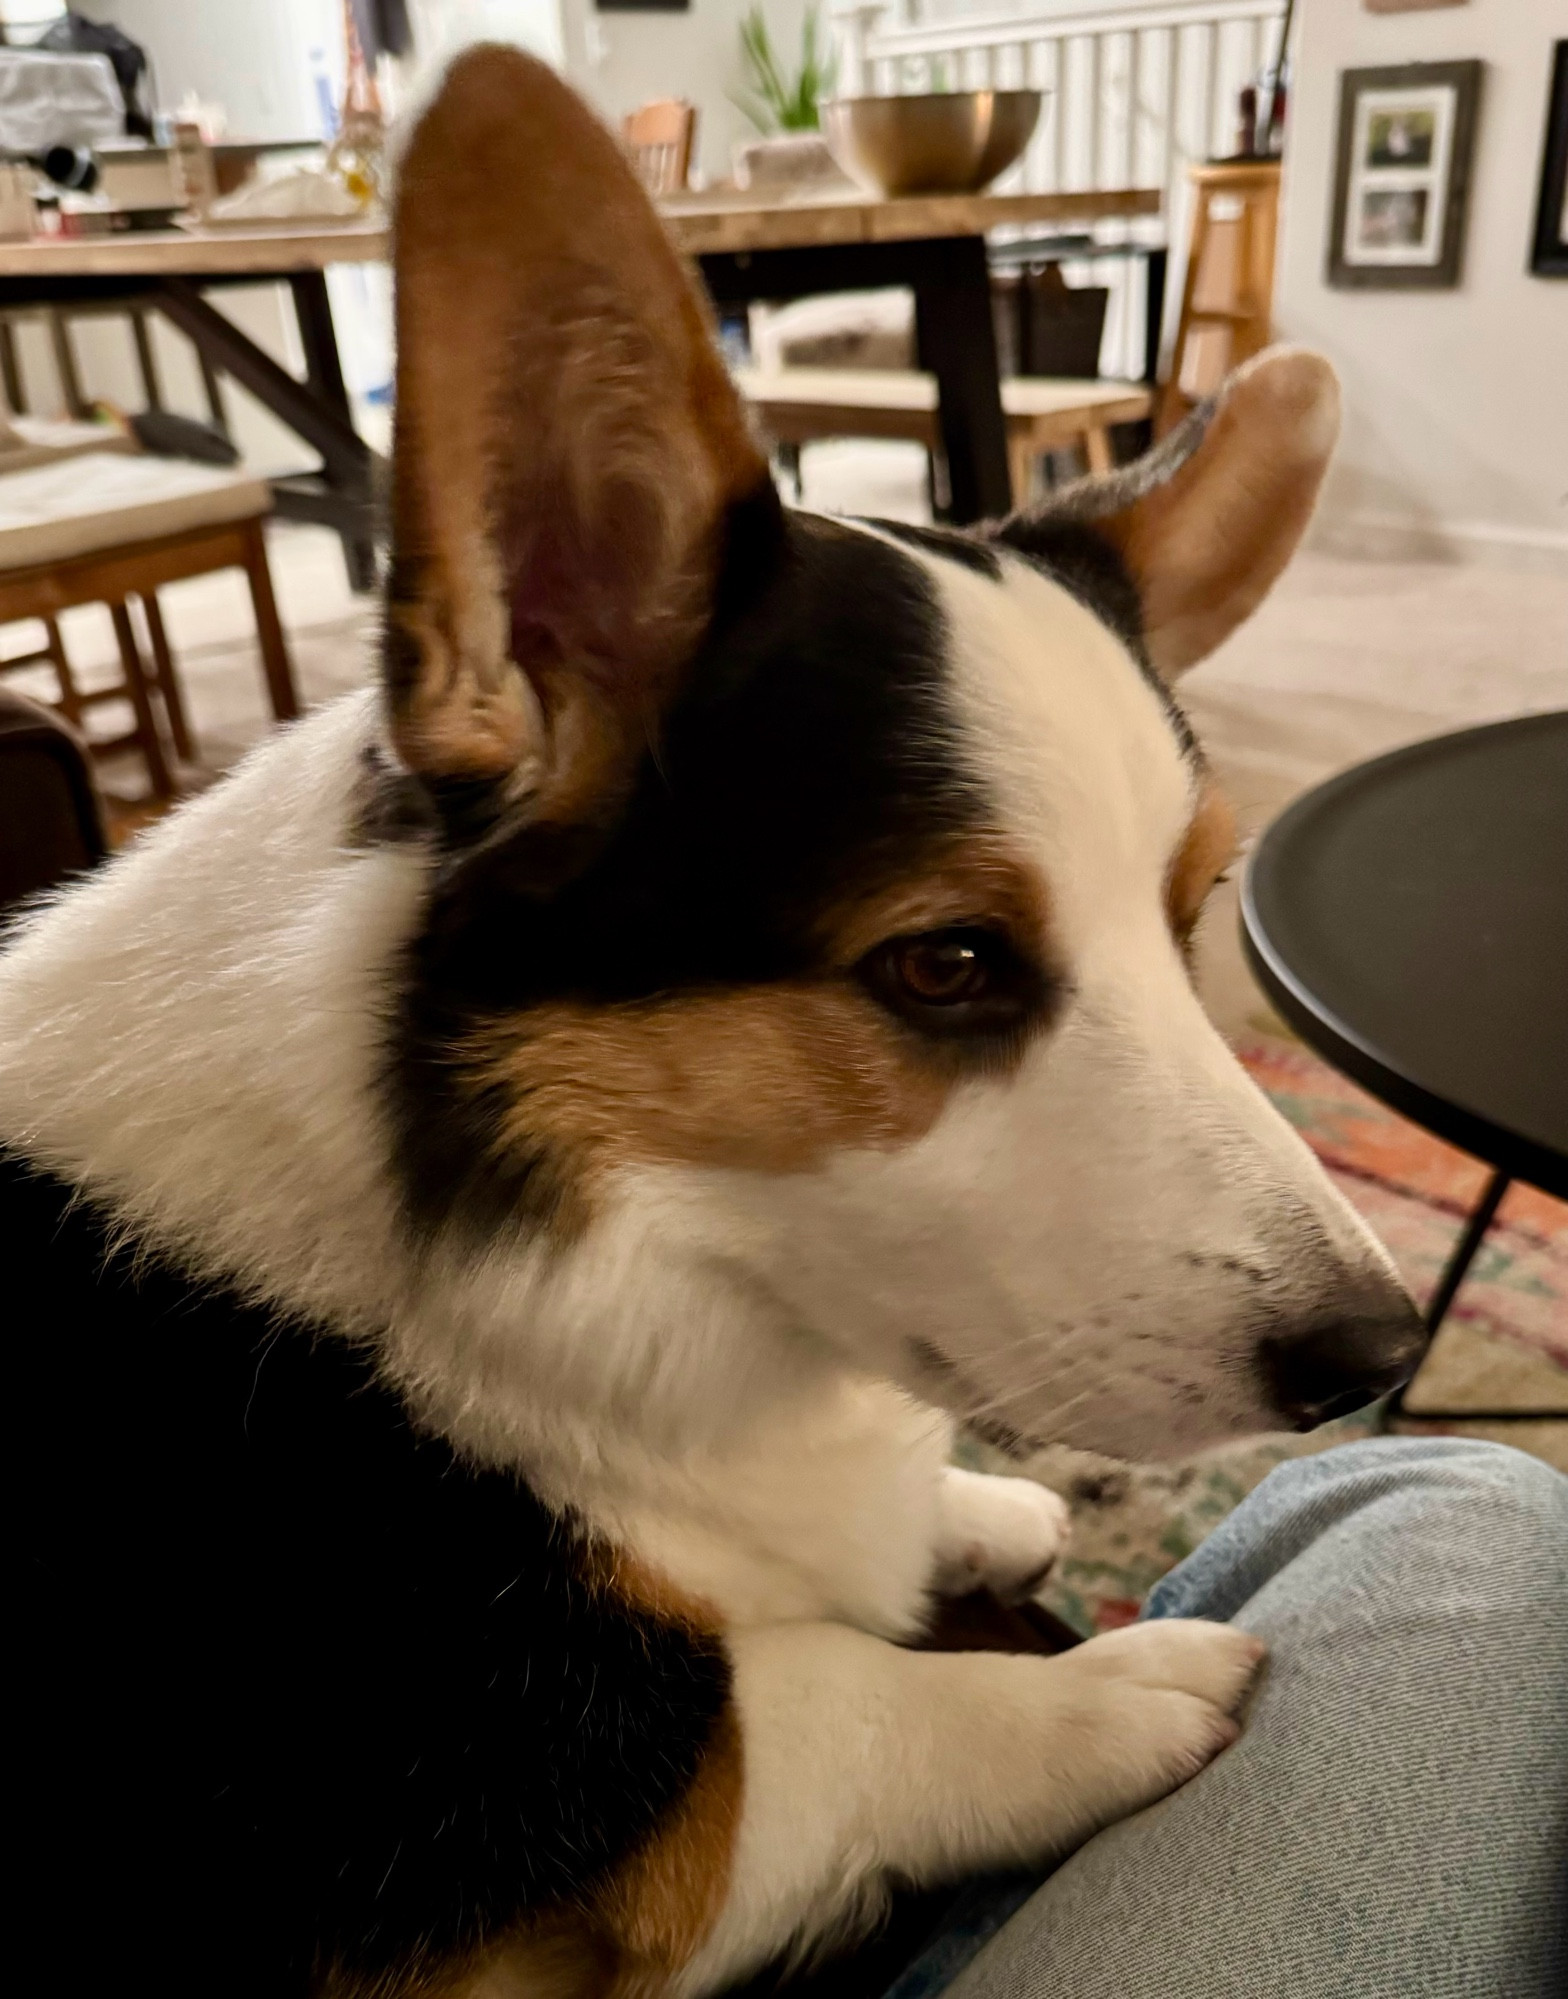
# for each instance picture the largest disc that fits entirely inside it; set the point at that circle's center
(104, 499)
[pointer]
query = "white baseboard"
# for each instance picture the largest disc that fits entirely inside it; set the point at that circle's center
(1390, 538)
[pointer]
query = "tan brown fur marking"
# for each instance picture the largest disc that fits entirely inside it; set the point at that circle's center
(1203, 856)
(770, 1078)
(766, 1078)
(657, 1911)
(650, 1919)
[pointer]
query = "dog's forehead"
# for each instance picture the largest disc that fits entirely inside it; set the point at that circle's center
(1080, 753)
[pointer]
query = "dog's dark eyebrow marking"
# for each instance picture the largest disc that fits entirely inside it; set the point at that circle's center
(965, 548)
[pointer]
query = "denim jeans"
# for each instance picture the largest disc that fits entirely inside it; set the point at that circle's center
(1393, 1824)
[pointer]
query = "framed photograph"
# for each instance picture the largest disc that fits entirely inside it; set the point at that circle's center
(1549, 255)
(1402, 174)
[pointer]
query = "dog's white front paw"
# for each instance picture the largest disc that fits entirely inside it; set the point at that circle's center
(1166, 1694)
(1213, 1662)
(1002, 1534)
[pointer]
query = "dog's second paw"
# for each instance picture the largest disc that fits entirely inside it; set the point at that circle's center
(1001, 1534)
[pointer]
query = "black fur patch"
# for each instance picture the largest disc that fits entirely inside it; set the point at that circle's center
(952, 543)
(389, 804)
(298, 1688)
(811, 751)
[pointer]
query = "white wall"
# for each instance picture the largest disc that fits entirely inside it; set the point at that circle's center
(443, 26)
(619, 61)
(254, 56)
(1456, 402)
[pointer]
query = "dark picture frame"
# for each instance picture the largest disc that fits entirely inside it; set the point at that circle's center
(1402, 169)
(1549, 251)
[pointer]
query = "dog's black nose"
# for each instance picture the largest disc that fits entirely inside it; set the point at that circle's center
(1343, 1363)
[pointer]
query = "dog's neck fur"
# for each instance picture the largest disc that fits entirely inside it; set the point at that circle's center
(196, 1039)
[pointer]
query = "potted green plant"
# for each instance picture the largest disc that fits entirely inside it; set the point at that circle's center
(781, 100)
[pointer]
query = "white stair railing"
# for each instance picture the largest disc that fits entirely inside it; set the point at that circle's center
(1131, 94)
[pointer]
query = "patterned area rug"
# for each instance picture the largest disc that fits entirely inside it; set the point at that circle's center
(1504, 1344)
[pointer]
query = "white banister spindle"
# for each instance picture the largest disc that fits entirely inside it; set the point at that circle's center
(1170, 144)
(1096, 47)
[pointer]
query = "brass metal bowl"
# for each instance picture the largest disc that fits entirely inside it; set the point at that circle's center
(950, 142)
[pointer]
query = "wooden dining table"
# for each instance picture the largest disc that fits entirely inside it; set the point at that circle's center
(747, 251)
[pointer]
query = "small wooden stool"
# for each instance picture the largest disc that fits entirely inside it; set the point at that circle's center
(106, 528)
(798, 406)
(1227, 299)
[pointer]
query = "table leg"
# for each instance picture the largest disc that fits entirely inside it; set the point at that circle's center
(217, 410)
(1464, 1250)
(954, 332)
(347, 460)
(10, 369)
(324, 372)
(956, 339)
(1459, 1262)
(152, 388)
(1155, 266)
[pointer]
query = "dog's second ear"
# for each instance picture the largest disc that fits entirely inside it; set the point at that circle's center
(1208, 519)
(568, 448)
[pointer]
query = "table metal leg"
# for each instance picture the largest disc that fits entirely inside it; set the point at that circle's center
(1153, 312)
(1464, 1250)
(324, 372)
(1454, 1271)
(954, 331)
(955, 337)
(343, 496)
(141, 333)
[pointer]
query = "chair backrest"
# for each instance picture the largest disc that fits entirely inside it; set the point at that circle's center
(659, 138)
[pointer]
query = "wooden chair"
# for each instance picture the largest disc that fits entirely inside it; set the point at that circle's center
(1227, 298)
(112, 529)
(798, 406)
(659, 137)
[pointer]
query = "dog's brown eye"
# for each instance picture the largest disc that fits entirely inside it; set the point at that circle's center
(943, 970)
(964, 981)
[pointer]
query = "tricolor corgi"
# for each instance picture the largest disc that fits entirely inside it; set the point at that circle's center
(504, 1198)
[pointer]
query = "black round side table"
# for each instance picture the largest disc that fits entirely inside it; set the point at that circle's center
(1410, 920)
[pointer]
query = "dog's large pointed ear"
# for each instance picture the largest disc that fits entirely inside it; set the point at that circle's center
(567, 455)
(1208, 519)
